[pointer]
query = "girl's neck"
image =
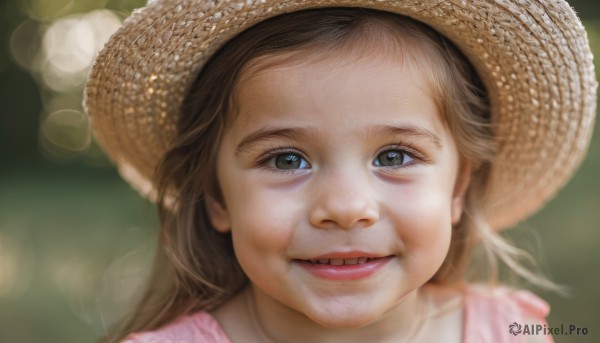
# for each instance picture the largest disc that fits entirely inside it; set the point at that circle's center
(274, 322)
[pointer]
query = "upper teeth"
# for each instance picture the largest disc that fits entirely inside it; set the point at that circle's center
(341, 261)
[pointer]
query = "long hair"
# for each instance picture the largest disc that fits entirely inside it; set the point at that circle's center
(195, 267)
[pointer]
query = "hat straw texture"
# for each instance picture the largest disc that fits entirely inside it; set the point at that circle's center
(533, 57)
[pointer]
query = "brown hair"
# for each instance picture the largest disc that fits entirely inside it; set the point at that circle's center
(195, 267)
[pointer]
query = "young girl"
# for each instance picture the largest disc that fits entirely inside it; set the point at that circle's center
(323, 172)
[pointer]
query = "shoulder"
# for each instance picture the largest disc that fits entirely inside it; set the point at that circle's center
(200, 327)
(501, 314)
(506, 299)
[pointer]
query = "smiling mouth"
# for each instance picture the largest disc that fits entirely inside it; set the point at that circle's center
(342, 261)
(344, 268)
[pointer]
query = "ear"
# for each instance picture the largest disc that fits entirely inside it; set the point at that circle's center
(460, 188)
(218, 214)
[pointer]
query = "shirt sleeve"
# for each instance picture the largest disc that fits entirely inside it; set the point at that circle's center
(198, 328)
(501, 315)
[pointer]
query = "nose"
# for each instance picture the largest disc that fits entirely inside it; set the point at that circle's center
(344, 200)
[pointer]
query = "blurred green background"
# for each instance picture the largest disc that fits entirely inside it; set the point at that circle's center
(76, 241)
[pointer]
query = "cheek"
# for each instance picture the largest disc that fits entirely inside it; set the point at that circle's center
(422, 216)
(262, 219)
(263, 223)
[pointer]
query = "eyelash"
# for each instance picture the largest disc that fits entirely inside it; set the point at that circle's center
(406, 148)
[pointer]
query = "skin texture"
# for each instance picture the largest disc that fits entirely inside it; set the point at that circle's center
(335, 117)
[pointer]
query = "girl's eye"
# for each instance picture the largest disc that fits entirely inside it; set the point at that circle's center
(289, 161)
(392, 158)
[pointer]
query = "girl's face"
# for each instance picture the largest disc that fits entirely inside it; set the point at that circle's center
(340, 184)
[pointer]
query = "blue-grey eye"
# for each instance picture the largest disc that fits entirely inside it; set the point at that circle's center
(392, 158)
(290, 161)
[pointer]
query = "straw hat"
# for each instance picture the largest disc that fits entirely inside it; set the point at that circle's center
(533, 57)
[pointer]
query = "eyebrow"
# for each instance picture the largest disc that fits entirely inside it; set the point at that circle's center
(300, 133)
(409, 130)
(265, 134)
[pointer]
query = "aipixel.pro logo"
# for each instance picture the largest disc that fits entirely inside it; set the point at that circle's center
(515, 328)
(539, 329)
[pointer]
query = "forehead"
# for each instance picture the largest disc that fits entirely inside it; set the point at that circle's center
(302, 85)
(378, 46)
(338, 92)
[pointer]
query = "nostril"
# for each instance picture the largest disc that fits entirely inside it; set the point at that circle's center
(345, 219)
(344, 204)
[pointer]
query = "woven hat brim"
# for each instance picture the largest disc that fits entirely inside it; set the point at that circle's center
(533, 57)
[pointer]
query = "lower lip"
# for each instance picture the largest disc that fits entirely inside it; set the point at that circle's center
(345, 272)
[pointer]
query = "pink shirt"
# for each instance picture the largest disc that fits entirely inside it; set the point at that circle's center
(488, 314)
